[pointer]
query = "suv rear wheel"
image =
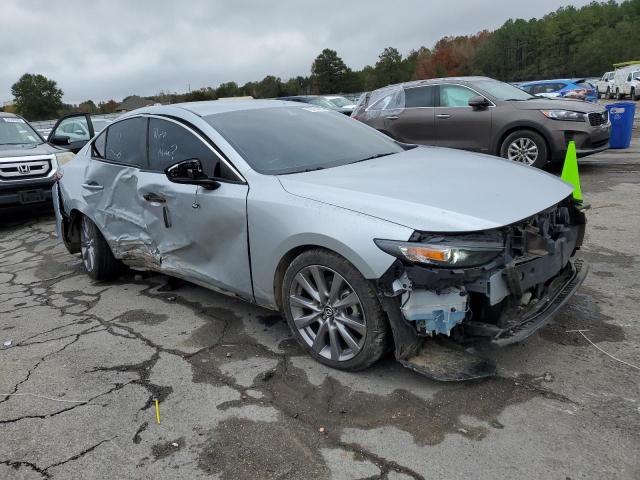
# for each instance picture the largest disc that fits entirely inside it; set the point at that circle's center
(333, 311)
(97, 258)
(527, 147)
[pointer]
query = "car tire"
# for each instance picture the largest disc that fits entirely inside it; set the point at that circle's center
(633, 95)
(347, 302)
(520, 146)
(608, 95)
(619, 96)
(97, 258)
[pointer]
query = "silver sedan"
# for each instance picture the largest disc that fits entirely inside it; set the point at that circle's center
(365, 244)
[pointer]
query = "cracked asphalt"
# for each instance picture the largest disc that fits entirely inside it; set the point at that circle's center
(239, 400)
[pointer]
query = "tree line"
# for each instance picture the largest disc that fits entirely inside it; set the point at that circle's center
(569, 42)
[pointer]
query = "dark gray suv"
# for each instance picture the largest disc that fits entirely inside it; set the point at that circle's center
(485, 115)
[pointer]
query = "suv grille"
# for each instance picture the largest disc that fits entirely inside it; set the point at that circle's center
(598, 118)
(24, 169)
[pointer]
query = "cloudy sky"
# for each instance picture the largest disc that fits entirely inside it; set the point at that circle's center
(104, 49)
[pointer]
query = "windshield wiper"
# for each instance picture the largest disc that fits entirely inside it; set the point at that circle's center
(377, 155)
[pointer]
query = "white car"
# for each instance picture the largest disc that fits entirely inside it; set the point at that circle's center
(605, 85)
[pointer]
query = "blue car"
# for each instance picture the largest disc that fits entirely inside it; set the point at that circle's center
(576, 88)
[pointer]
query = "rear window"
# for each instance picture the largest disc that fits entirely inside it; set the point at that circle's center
(284, 140)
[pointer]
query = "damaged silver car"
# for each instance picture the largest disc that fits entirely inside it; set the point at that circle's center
(364, 243)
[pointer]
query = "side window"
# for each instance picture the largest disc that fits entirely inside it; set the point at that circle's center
(99, 145)
(455, 96)
(419, 97)
(382, 103)
(127, 142)
(170, 143)
(75, 128)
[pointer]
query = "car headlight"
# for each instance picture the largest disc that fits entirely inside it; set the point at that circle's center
(444, 253)
(64, 157)
(566, 115)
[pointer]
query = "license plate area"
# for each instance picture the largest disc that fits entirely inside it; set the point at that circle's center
(30, 196)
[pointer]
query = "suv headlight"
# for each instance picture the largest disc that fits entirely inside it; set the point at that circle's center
(566, 115)
(444, 253)
(64, 157)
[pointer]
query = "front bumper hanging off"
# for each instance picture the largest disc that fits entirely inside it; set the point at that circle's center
(562, 289)
(442, 359)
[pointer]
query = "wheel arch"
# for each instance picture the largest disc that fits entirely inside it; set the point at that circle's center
(294, 252)
(524, 126)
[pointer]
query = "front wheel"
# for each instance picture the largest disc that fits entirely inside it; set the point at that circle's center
(526, 147)
(619, 95)
(633, 95)
(333, 311)
(97, 258)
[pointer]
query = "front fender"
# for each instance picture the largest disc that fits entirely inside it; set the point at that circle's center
(280, 222)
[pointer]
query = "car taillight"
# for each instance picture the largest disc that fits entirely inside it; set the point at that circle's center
(580, 92)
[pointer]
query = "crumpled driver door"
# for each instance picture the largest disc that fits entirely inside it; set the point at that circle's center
(201, 235)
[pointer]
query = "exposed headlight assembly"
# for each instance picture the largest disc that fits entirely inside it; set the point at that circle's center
(566, 115)
(446, 253)
(64, 157)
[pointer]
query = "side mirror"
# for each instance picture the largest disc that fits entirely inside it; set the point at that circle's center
(61, 140)
(479, 102)
(191, 173)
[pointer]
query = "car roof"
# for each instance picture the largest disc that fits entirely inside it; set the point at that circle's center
(213, 107)
(7, 115)
(433, 81)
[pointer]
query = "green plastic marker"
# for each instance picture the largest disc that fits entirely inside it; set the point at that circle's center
(570, 171)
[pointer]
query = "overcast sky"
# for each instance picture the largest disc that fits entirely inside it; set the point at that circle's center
(106, 49)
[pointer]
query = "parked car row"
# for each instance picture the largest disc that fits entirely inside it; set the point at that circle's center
(365, 243)
(580, 89)
(487, 116)
(332, 102)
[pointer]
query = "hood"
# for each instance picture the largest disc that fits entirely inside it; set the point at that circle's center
(557, 104)
(434, 189)
(9, 151)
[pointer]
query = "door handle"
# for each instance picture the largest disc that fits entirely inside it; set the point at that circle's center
(92, 186)
(392, 117)
(153, 197)
(443, 115)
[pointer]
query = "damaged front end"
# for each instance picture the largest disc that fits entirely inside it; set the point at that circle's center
(499, 286)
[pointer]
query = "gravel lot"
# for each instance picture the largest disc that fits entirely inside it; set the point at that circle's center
(239, 400)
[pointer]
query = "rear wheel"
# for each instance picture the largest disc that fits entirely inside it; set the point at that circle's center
(526, 147)
(619, 95)
(333, 311)
(634, 97)
(97, 258)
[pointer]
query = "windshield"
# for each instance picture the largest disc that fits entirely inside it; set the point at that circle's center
(340, 101)
(15, 131)
(502, 91)
(281, 140)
